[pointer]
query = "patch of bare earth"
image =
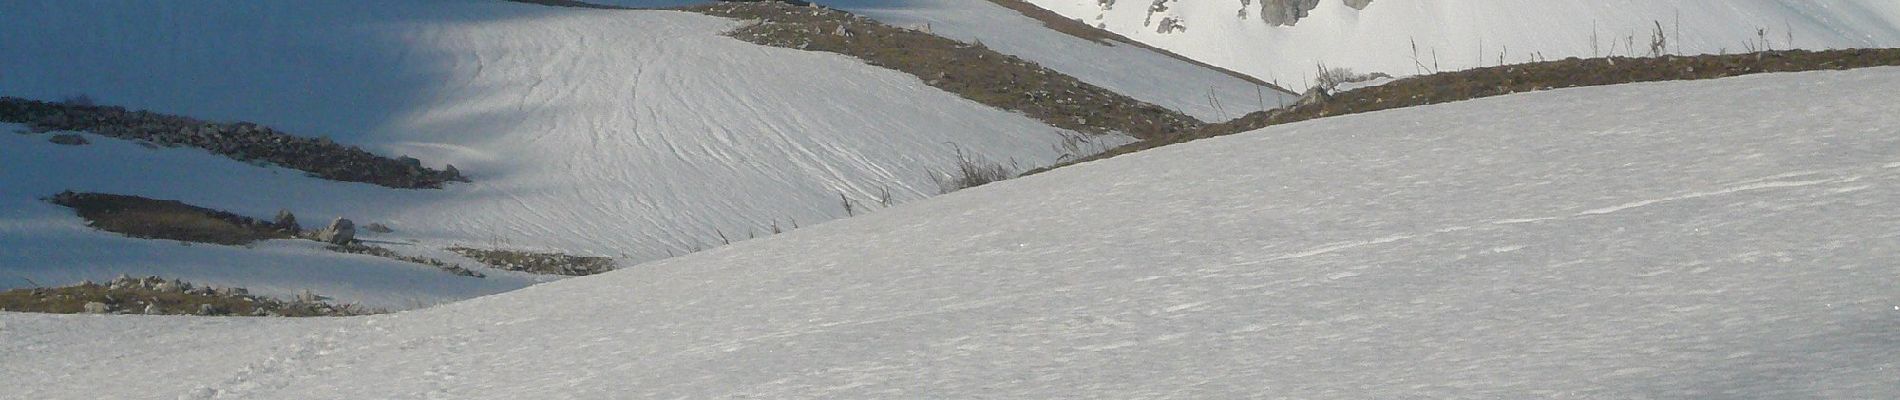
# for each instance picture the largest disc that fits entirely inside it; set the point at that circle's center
(167, 219)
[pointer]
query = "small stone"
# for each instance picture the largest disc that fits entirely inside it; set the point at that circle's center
(378, 228)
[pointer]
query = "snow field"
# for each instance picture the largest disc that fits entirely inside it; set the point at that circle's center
(630, 134)
(1729, 238)
(1461, 34)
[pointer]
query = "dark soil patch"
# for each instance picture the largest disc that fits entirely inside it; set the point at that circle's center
(538, 263)
(242, 141)
(1494, 81)
(167, 219)
(966, 69)
(156, 296)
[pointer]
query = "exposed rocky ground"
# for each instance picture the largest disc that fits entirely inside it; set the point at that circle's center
(1493, 81)
(243, 141)
(356, 248)
(968, 69)
(538, 263)
(158, 296)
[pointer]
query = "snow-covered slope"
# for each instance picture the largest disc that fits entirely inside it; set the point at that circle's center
(42, 244)
(1201, 92)
(1732, 238)
(1466, 33)
(632, 134)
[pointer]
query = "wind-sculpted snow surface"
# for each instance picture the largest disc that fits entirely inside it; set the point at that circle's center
(1284, 41)
(1730, 238)
(627, 134)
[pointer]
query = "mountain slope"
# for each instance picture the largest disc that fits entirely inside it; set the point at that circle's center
(1204, 93)
(630, 134)
(1729, 238)
(1254, 37)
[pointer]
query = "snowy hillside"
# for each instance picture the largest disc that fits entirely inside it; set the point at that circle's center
(630, 134)
(1732, 238)
(1269, 38)
(1201, 92)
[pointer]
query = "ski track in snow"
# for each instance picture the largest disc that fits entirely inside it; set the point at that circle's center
(1731, 238)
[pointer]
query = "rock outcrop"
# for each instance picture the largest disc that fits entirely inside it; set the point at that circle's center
(242, 141)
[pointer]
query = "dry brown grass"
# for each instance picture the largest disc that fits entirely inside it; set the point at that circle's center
(165, 219)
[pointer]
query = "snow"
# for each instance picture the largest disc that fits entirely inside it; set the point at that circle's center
(1469, 33)
(1146, 75)
(42, 244)
(1374, 82)
(1730, 238)
(629, 134)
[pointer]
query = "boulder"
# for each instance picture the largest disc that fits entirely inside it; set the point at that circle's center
(340, 232)
(94, 307)
(152, 309)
